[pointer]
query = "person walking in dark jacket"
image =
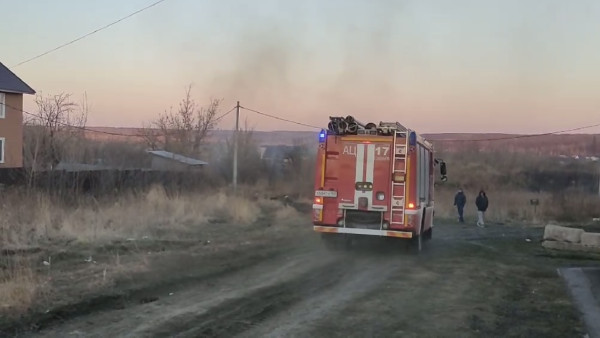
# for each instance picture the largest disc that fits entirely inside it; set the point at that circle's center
(460, 200)
(482, 204)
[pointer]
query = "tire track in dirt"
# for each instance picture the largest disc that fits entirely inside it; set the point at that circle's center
(170, 311)
(238, 314)
(281, 295)
(143, 288)
(275, 298)
(290, 307)
(361, 276)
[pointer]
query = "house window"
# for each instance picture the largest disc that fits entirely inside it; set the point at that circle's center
(2, 105)
(2, 149)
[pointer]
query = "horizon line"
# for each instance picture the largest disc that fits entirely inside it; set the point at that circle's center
(315, 132)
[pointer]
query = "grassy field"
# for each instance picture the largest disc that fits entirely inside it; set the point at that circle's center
(35, 226)
(39, 234)
(57, 251)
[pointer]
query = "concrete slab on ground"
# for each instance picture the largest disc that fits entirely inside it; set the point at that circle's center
(584, 287)
(565, 246)
(562, 234)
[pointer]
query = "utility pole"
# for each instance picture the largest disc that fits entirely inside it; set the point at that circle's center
(235, 146)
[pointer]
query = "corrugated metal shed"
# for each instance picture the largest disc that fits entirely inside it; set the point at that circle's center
(176, 157)
(11, 83)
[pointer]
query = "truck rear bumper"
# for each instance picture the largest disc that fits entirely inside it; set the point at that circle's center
(385, 233)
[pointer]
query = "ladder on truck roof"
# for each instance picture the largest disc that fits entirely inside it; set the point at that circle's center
(398, 190)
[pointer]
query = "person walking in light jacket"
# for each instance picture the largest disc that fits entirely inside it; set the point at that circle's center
(482, 204)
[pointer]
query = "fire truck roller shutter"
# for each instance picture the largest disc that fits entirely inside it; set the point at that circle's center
(423, 158)
(422, 189)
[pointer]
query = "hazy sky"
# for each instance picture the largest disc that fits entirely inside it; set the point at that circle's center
(435, 66)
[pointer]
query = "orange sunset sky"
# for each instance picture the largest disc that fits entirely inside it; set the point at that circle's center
(435, 66)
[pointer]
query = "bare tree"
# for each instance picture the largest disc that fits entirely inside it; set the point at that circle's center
(183, 131)
(51, 133)
(152, 136)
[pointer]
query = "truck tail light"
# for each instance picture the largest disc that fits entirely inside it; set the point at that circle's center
(411, 205)
(318, 200)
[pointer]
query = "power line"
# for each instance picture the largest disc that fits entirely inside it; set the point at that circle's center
(311, 126)
(71, 126)
(94, 130)
(90, 33)
(224, 115)
(516, 136)
(449, 140)
(281, 119)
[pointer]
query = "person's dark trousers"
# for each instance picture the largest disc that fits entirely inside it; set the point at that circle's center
(460, 214)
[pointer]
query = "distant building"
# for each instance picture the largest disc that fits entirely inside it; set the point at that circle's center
(168, 161)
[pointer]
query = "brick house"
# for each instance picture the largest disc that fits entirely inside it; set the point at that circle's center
(12, 89)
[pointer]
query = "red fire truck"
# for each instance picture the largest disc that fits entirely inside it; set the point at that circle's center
(374, 180)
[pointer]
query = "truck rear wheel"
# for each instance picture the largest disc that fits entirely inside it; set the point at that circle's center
(417, 242)
(428, 234)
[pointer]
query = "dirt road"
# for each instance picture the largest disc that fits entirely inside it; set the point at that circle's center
(468, 282)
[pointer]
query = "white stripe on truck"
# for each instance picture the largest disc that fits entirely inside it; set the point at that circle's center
(364, 174)
(370, 162)
(360, 162)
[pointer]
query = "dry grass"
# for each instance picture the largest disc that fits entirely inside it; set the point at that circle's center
(33, 219)
(19, 285)
(18, 292)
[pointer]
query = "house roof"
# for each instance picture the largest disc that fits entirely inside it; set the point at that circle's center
(177, 157)
(11, 83)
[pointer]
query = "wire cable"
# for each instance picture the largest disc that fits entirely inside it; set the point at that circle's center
(449, 140)
(311, 126)
(516, 136)
(94, 130)
(88, 34)
(224, 115)
(281, 119)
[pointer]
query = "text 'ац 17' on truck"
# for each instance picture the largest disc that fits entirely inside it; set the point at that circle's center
(374, 180)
